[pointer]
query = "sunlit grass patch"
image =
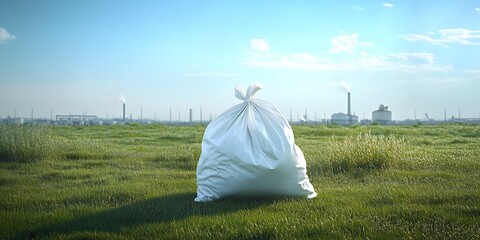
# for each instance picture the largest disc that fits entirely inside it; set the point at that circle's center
(182, 157)
(365, 152)
(25, 143)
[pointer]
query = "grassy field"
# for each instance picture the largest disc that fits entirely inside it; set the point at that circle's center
(138, 182)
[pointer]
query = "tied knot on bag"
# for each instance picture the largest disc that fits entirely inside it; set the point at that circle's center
(241, 94)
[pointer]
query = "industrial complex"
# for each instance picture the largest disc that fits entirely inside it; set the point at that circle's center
(382, 116)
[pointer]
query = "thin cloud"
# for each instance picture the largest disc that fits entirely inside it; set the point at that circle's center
(444, 80)
(209, 74)
(346, 43)
(356, 8)
(5, 35)
(388, 5)
(472, 71)
(259, 45)
(409, 56)
(286, 62)
(304, 57)
(412, 62)
(446, 37)
(477, 9)
(439, 80)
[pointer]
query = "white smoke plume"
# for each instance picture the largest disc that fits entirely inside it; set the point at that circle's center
(345, 87)
(121, 98)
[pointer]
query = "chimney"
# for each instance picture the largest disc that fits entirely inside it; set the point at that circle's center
(349, 112)
(191, 116)
(123, 112)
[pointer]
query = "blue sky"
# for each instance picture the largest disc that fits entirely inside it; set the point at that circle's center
(80, 56)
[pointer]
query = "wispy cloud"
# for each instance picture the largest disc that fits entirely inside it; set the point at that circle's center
(412, 62)
(388, 5)
(426, 58)
(448, 36)
(346, 43)
(259, 45)
(295, 63)
(356, 8)
(443, 80)
(306, 57)
(473, 73)
(430, 80)
(477, 9)
(5, 35)
(209, 74)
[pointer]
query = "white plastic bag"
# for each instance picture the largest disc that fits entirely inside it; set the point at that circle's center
(249, 150)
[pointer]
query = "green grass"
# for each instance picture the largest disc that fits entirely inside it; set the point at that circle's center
(24, 143)
(365, 152)
(138, 182)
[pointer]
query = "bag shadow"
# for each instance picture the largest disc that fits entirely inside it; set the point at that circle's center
(162, 209)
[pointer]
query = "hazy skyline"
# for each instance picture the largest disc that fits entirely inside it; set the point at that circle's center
(81, 56)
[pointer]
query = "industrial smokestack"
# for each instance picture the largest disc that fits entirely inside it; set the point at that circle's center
(121, 98)
(349, 110)
(123, 112)
(191, 116)
(346, 88)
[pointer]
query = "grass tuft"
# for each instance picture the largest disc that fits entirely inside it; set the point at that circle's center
(365, 152)
(25, 143)
(183, 157)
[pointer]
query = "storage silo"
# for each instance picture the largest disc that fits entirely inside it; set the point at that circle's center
(382, 115)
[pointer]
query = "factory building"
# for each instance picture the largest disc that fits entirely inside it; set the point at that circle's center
(77, 120)
(14, 120)
(343, 119)
(382, 115)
